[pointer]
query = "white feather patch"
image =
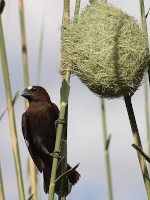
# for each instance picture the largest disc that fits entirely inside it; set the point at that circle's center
(30, 87)
(27, 143)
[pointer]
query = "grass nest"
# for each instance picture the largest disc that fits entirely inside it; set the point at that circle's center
(106, 50)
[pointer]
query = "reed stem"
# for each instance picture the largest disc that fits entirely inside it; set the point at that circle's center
(144, 28)
(109, 182)
(26, 81)
(11, 115)
(41, 46)
(2, 197)
(76, 12)
(64, 103)
(137, 141)
(147, 115)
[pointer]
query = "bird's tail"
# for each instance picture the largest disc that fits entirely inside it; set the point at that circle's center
(73, 177)
(46, 177)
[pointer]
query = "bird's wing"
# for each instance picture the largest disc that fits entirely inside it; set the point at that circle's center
(56, 111)
(27, 137)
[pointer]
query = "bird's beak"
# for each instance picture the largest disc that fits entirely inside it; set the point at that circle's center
(26, 93)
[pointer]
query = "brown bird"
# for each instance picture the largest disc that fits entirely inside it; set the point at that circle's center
(38, 127)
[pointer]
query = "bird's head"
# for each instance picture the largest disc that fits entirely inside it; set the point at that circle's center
(35, 93)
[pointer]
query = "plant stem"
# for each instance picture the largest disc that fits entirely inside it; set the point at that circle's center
(26, 81)
(106, 149)
(76, 12)
(137, 141)
(144, 28)
(2, 197)
(11, 115)
(41, 46)
(66, 13)
(147, 115)
(64, 103)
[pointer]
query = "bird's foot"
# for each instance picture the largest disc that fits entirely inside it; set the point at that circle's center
(56, 154)
(60, 121)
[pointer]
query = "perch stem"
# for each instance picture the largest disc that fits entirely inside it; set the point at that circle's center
(11, 115)
(109, 182)
(64, 104)
(137, 141)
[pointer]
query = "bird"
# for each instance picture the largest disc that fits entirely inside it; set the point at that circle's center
(39, 132)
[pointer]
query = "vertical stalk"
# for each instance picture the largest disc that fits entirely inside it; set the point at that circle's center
(106, 150)
(137, 141)
(109, 182)
(11, 115)
(2, 197)
(63, 108)
(41, 46)
(66, 13)
(76, 12)
(144, 28)
(147, 114)
(64, 103)
(26, 81)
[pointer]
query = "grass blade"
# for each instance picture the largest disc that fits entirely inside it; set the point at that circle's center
(141, 152)
(3, 113)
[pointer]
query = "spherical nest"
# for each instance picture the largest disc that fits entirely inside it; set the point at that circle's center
(106, 50)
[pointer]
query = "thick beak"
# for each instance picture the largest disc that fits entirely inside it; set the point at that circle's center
(26, 93)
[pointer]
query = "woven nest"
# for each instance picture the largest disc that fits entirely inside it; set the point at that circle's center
(106, 50)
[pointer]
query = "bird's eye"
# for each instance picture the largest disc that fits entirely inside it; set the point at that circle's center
(34, 89)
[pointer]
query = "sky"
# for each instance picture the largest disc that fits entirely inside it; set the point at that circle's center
(85, 134)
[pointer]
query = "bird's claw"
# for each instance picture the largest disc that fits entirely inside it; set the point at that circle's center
(56, 154)
(60, 121)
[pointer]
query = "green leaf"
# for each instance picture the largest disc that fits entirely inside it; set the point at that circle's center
(2, 5)
(17, 95)
(66, 173)
(108, 142)
(13, 102)
(3, 113)
(31, 197)
(147, 13)
(141, 152)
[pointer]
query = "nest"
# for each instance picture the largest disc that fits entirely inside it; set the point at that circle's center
(106, 50)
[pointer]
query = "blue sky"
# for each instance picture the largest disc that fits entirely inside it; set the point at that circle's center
(85, 138)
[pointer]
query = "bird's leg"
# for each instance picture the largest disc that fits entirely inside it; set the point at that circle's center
(55, 154)
(60, 121)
